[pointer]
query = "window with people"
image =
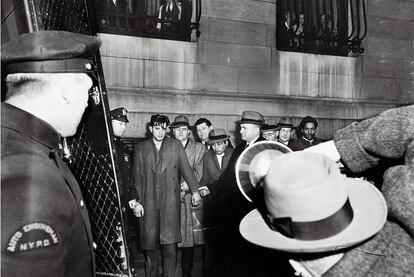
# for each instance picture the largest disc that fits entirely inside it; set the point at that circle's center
(169, 19)
(321, 26)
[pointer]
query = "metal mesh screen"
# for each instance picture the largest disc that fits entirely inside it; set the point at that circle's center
(89, 155)
(95, 176)
(65, 15)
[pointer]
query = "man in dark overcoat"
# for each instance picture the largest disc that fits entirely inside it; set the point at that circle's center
(214, 200)
(45, 228)
(159, 163)
(236, 248)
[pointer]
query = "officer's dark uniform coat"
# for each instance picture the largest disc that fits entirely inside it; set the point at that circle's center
(44, 221)
(161, 199)
(127, 185)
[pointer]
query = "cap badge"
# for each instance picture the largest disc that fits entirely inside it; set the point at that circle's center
(88, 66)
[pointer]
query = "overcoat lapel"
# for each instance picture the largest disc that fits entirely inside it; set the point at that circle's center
(165, 153)
(225, 161)
(149, 153)
(216, 163)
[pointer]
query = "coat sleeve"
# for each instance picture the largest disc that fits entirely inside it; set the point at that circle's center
(137, 171)
(132, 190)
(185, 169)
(206, 178)
(387, 135)
(198, 162)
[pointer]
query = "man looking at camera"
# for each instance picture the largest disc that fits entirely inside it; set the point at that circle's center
(159, 163)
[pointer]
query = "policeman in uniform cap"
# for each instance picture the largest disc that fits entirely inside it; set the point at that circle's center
(129, 194)
(45, 228)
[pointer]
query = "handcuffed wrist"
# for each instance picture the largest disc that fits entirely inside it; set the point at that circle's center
(133, 203)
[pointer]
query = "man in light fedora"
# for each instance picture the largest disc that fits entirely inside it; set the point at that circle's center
(214, 164)
(360, 146)
(284, 128)
(191, 230)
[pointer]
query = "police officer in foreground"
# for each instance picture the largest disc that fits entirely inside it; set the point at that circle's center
(128, 192)
(45, 229)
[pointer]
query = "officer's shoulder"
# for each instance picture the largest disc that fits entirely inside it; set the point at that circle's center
(28, 167)
(36, 182)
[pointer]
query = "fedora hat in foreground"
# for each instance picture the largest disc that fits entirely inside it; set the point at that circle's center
(253, 163)
(310, 207)
(251, 117)
(217, 135)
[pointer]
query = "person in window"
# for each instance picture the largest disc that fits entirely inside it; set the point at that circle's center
(285, 30)
(169, 15)
(185, 20)
(299, 31)
(326, 33)
(113, 10)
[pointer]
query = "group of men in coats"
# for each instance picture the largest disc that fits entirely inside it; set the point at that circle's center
(171, 175)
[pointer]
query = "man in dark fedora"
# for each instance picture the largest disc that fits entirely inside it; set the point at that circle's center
(284, 129)
(269, 132)
(307, 128)
(214, 164)
(250, 124)
(45, 228)
(191, 228)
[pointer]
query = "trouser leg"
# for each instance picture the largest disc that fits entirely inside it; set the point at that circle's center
(169, 256)
(151, 263)
(187, 260)
(210, 252)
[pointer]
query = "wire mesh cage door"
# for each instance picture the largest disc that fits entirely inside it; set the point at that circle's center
(89, 152)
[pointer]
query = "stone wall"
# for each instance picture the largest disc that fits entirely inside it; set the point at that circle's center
(235, 66)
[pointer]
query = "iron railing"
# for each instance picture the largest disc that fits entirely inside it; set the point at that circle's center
(335, 27)
(179, 20)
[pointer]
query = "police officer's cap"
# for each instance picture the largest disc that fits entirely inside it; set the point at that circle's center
(120, 114)
(50, 52)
